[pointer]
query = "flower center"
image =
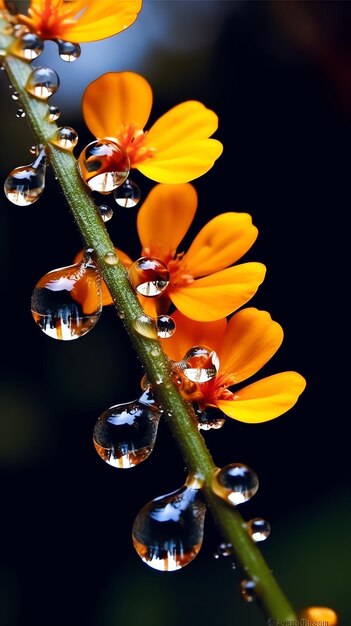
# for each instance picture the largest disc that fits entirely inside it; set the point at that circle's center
(48, 18)
(132, 139)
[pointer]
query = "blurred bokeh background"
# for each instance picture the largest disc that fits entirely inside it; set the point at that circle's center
(278, 75)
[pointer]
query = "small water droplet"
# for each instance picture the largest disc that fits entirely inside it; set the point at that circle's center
(15, 95)
(247, 590)
(125, 434)
(65, 138)
(121, 315)
(208, 420)
(165, 326)
(106, 212)
(104, 165)
(145, 326)
(149, 276)
(127, 195)
(35, 150)
(224, 549)
(111, 258)
(68, 51)
(200, 364)
(28, 46)
(168, 531)
(258, 529)
(26, 183)
(53, 114)
(43, 82)
(20, 113)
(236, 483)
(66, 302)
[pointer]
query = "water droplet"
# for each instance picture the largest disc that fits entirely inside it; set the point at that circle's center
(318, 615)
(20, 113)
(65, 138)
(106, 212)
(104, 165)
(236, 483)
(224, 549)
(68, 51)
(145, 326)
(127, 195)
(149, 276)
(125, 434)
(168, 531)
(200, 364)
(209, 420)
(66, 302)
(165, 326)
(27, 47)
(15, 95)
(258, 529)
(43, 82)
(247, 590)
(111, 258)
(147, 397)
(53, 114)
(25, 184)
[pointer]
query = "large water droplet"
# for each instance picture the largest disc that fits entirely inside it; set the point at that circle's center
(200, 364)
(27, 47)
(168, 531)
(247, 590)
(66, 302)
(165, 326)
(149, 276)
(236, 483)
(127, 195)
(145, 326)
(68, 51)
(65, 138)
(104, 165)
(106, 212)
(25, 184)
(258, 529)
(43, 82)
(125, 434)
(53, 114)
(210, 419)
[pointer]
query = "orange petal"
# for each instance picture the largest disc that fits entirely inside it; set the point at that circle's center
(116, 99)
(189, 333)
(266, 399)
(251, 339)
(216, 296)
(182, 163)
(100, 20)
(220, 243)
(186, 122)
(165, 217)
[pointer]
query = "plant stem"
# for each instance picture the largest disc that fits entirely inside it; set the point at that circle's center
(178, 413)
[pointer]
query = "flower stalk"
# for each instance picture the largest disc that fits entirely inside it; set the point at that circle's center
(178, 413)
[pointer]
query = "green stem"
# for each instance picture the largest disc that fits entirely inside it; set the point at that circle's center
(179, 414)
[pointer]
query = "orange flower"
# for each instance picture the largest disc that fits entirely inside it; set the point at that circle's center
(176, 149)
(79, 21)
(201, 286)
(243, 345)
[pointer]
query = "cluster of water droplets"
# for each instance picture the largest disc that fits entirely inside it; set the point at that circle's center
(28, 46)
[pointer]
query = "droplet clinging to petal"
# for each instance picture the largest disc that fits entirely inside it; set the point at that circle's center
(149, 276)
(104, 165)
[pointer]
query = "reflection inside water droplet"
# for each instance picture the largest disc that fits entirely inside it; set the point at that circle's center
(66, 302)
(210, 419)
(247, 590)
(27, 47)
(236, 483)
(53, 114)
(20, 113)
(145, 326)
(165, 326)
(43, 82)
(106, 212)
(168, 531)
(25, 184)
(68, 51)
(111, 258)
(149, 276)
(127, 195)
(104, 165)
(200, 364)
(65, 138)
(258, 529)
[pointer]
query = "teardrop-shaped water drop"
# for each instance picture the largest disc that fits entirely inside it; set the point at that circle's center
(236, 483)
(259, 529)
(127, 195)
(125, 434)
(210, 419)
(168, 531)
(65, 137)
(165, 326)
(149, 276)
(145, 326)
(104, 165)
(247, 590)
(25, 184)
(200, 364)
(66, 302)
(53, 114)
(27, 47)
(106, 212)
(68, 51)
(43, 82)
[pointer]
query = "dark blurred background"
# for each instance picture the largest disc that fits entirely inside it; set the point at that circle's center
(278, 75)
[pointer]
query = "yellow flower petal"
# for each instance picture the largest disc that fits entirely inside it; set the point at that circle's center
(266, 399)
(186, 122)
(190, 333)
(164, 218)
(220, 243)
(116, 99)
(100, 20)
(216, 296)
(251, 339)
